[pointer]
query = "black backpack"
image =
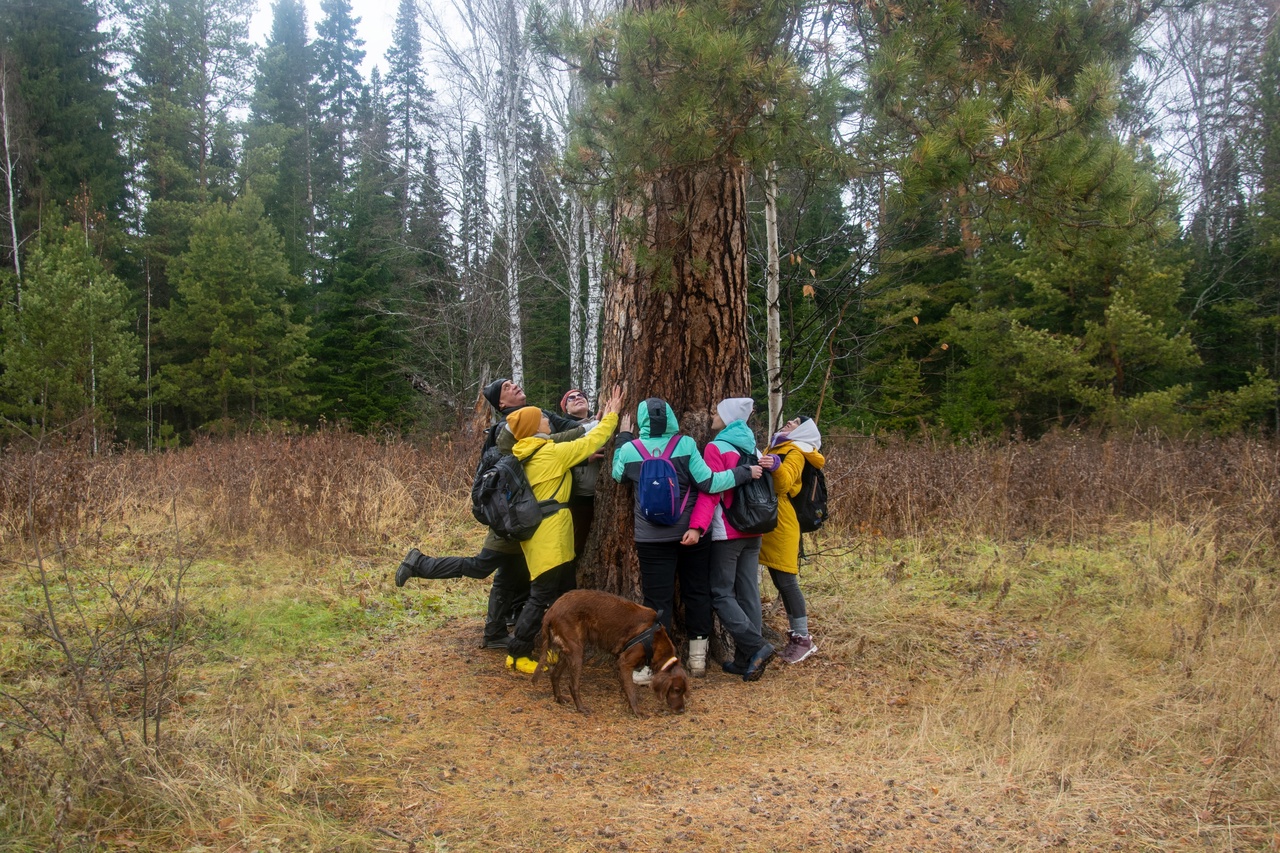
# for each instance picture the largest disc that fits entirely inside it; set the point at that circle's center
(501, 496)
(755, 504)
(506, 500)
(811, 503)
(489, 455)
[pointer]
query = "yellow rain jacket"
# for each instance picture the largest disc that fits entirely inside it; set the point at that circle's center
(548, 473)
(780, 548)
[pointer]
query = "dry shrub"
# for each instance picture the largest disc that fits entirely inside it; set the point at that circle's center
(1064, 485)
(333, 491)
(330, 491)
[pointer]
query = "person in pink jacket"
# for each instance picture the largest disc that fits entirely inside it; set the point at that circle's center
(735, 567)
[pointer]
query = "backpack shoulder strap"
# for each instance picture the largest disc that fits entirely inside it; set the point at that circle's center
(671, 446)
(642, 450)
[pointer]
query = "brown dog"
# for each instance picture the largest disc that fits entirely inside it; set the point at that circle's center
(619, 627)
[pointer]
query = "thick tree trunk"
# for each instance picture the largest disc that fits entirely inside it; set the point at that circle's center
(675, 326)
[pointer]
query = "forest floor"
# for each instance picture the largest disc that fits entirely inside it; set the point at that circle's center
(967, 695)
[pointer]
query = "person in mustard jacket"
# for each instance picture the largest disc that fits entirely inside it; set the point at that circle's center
(549, 552)
(798, 442)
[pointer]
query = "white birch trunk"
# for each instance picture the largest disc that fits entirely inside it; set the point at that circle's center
(9, 164)
(594, 247)
(512, 85)
(576, 330)
(773, 328)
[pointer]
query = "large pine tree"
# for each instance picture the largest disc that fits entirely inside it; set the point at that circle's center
(681, 116)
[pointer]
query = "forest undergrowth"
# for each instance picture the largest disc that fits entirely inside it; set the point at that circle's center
(1068, 643)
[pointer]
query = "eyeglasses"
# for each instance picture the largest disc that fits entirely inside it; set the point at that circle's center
(569, 397)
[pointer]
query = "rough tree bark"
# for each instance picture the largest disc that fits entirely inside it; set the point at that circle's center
(674, 326)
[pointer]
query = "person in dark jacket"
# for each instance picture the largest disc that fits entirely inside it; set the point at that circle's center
(582, 500)
(499, 557)
(662, 556)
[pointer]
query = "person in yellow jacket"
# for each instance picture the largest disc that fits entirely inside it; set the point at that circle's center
(798, 442)
(549, 552)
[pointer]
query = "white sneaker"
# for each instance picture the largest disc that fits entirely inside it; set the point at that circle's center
(643, 675)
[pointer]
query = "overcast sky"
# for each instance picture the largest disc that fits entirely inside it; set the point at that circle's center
(376, 22)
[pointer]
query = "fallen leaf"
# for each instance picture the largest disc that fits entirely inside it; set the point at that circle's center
(227, 823)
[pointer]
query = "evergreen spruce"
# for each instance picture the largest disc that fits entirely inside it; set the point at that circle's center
(237, 356)
(70, 352)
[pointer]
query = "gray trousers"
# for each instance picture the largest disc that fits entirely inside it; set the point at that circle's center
(735, 592)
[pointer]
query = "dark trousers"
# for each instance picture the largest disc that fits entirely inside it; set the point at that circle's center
(510, 583)
(735, 592)
(543, 592)
(583, 511)
(788, 586)
(660, 564)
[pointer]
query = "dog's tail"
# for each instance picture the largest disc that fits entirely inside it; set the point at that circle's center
(548, 656)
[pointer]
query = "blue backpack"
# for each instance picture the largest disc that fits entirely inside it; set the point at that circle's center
(658, 492)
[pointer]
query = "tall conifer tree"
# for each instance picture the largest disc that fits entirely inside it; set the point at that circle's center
(60, 82)
(237, 355)
(279, 148)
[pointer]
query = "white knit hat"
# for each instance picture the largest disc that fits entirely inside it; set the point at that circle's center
(735, 409)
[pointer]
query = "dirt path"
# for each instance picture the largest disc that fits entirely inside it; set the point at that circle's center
(440, 748)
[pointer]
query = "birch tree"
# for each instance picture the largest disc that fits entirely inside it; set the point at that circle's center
(9, 165)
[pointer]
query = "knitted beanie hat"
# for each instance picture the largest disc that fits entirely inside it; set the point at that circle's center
(524, 422)
(493, 392)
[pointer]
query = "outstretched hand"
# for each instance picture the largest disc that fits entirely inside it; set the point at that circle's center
(625, 423)
(613, 405)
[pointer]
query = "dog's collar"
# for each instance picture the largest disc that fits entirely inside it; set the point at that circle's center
(672, 662)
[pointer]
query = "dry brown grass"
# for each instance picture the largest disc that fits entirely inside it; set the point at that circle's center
(329, 492)
(1064, 485)
(1064, 644)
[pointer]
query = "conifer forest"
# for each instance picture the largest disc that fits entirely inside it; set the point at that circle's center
(974, 218)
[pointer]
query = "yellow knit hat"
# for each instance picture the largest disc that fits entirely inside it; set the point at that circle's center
(524, 422)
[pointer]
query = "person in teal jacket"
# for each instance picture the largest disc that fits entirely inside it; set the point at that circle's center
(662, 556)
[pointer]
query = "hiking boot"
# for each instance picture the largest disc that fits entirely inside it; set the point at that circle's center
(494, 643)
(642, 676)
(799, 647)
(522, 664)
(698, 657)
(407, 566)
(759, 661)
(734, 667)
